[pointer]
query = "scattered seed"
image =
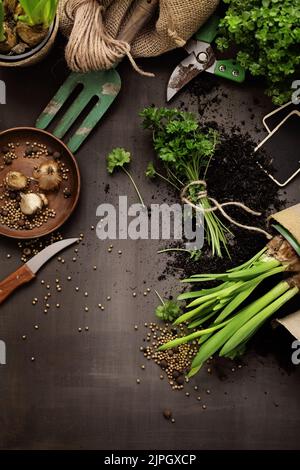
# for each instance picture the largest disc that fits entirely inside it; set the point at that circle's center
(86, 294)
(24, 337)
(134, 294)
(138, 381)
(167, 413)
(69, 278)
(142, 367)
(108, 297)
(198, 398)
(204, 407)
(80, 330)
(32, 359)
(36, 327)
(173, 420)
(86, 328)
(136, 327)
(86, 309)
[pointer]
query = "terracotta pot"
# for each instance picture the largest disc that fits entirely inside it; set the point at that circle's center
(34, 55)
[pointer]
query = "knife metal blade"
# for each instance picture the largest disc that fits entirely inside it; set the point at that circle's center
(200, 59)
(35, 263)
(27, 271)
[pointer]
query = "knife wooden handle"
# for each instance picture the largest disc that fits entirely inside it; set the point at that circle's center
(15, 280)
(141, 14)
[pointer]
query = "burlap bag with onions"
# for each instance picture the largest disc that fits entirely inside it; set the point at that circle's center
(93, 27)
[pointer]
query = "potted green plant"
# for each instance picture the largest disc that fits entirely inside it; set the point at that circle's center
(27, 30)
(267, 35)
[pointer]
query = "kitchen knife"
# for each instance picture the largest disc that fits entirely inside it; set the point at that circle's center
(27, 272)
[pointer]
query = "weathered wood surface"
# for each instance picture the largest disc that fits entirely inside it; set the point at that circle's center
(81, 390)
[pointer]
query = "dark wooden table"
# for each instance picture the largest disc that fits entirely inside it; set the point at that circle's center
(81, 390)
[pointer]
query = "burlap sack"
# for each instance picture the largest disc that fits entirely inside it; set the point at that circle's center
(290, 219)
(175, 22)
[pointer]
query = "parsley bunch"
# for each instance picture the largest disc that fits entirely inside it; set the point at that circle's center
(186, 151)
(267, 33)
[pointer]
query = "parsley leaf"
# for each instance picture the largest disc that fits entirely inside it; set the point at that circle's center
(118, 157)
(169, 311)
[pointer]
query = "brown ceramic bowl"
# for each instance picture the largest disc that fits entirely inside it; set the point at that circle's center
(63, 207)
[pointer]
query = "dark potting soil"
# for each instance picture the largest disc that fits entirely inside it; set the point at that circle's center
(234, 175)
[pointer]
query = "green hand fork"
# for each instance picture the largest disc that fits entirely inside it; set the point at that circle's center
(202, 59)
(104, 85)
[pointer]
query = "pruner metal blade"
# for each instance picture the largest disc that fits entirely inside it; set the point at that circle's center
(200, 59)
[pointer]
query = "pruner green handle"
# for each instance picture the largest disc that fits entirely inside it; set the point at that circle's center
(229, 69)
(208, 31)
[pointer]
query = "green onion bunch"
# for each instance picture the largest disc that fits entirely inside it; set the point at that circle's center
(221, 318)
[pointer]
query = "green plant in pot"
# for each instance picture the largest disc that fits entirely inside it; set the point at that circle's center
(26, 26)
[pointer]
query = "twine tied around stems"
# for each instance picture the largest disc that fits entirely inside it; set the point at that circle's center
(90, 47)
(203, 194)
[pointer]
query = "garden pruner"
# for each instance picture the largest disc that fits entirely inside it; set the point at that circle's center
(202, 59)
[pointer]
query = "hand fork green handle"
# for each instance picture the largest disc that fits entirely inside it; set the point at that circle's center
(102, 85)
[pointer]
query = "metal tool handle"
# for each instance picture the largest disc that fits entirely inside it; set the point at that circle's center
(229, 69)
(15, 280)
(141, 14)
